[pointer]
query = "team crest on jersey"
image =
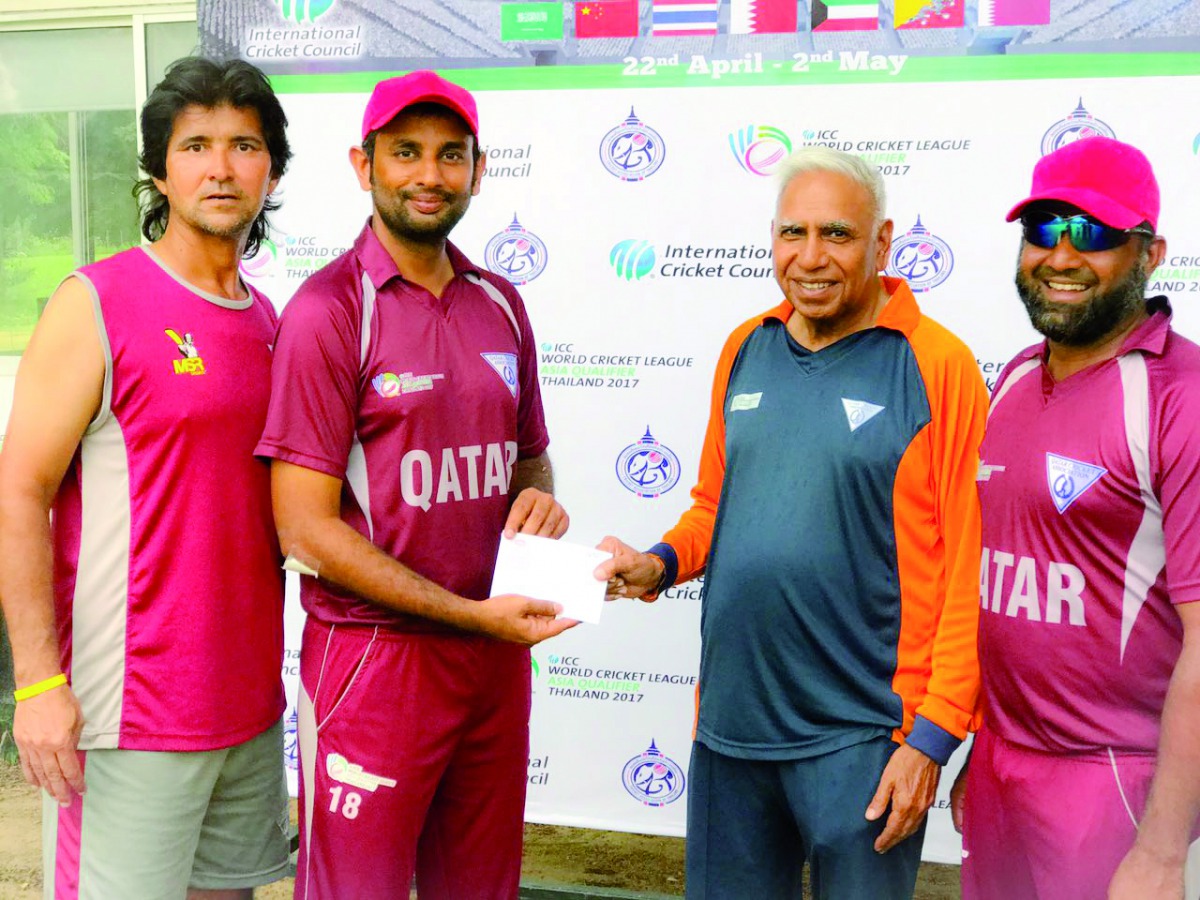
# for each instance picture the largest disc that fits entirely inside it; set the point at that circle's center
(1078, 125)
(653, 778)
(633, 150)
(860, 412)
(191, 364)
(1069, 479)
(389, 384)
(504, 365)
(648, 468)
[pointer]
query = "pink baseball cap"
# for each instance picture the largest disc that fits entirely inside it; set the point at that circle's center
(394, 95)
(1105, 178)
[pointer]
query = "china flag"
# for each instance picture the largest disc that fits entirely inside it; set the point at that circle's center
(606, 18)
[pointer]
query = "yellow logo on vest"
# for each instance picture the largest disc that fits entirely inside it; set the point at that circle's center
(191, 364)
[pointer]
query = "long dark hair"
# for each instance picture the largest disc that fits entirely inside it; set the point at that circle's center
(197, 81)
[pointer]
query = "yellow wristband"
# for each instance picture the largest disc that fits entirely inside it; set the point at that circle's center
(40, 688)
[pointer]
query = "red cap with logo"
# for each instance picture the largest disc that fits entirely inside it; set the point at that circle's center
(393, 96)
(1105, 178)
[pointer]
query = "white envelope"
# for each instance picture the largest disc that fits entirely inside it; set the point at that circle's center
(547, 569)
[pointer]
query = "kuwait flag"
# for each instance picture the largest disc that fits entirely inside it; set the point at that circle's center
(913, 14)
(762, 17)
(683, 17)
(606, 18)
(1014, 12)
(845, 15)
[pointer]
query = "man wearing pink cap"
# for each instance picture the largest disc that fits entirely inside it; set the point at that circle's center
(1085, 779)
(406, 434)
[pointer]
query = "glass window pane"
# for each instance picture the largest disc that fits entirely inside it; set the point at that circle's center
(68, 162)
(71, 69)
(165, 43)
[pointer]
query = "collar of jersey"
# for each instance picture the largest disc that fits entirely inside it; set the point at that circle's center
(381, 268)
(1149, 337)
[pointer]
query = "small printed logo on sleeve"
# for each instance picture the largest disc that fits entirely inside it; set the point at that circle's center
(1068, 479)
(504, 365)
(191, 364)
(860, 412)
(985, 471)
(745, 401)
(389, 384)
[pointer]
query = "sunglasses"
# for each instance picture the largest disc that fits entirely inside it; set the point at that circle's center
(1086, 234)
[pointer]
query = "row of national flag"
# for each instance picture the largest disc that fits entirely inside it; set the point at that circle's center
(543, 21)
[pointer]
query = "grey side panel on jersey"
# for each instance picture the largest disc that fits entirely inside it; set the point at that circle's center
(1013, 377)
(101, 601)
(1148, 553)
(499, 299)
(356, 463)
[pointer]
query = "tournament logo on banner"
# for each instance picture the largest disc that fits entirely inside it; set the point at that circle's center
(648, 468)
(759, 149)
(633, 151)
(264, 263)
(304, 10)
(1078, 125)
(653, 778)
(516, 254)
(921, 258)
(632, 259)
(291, 746)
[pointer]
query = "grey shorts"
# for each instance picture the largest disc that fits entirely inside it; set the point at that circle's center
(153, 824)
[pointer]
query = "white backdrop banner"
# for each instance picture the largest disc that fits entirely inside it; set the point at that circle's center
(628, 196)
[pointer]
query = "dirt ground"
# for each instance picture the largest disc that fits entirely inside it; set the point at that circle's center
(554, 856)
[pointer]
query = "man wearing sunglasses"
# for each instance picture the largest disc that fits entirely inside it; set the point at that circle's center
(1085, 779)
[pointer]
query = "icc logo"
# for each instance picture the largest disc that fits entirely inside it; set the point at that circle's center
(652, 778)
(632, 259)
(515, 253)
(304, 10)
(264, 263)
(291, 752)
(1078, 125)
(921, 258)
(633, 150)
(759, 148)
(648, 468)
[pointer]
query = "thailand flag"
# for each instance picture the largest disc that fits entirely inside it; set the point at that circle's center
(1014, 12)
(762, 17)
(683, 17)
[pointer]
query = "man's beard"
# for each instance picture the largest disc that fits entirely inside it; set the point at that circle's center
(1082, 324)
(392, 207)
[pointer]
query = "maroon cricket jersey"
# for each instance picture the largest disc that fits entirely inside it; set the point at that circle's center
(421, 405)
(168, 591)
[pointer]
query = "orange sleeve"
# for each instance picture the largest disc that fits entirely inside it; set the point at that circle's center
(692, 535)
(943, 609)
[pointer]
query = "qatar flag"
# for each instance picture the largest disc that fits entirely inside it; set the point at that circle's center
(762, 17)
(1014, 12)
